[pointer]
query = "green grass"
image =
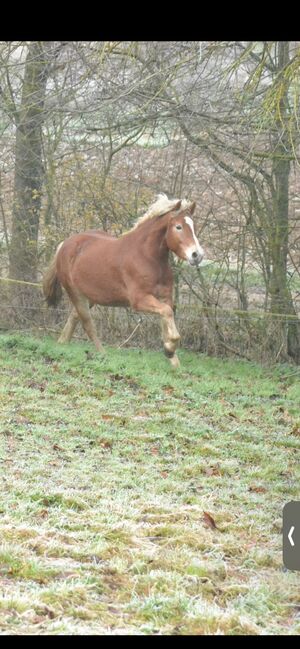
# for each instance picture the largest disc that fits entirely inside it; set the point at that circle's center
(108, 464)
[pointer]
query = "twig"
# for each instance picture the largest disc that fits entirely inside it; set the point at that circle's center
(132, 333)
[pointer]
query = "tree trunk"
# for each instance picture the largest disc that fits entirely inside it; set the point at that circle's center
(29, 170)
(281, 297)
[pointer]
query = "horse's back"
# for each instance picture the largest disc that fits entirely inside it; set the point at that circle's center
(77, 239)
(98, 233)
(74, 245)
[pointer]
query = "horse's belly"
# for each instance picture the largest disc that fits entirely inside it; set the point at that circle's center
(101, 287)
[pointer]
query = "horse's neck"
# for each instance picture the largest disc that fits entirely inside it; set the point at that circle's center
(152, 236)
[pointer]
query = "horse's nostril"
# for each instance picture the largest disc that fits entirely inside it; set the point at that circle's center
(194, 255)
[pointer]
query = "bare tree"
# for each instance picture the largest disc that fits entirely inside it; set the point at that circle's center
(29, 118)
(107, 123)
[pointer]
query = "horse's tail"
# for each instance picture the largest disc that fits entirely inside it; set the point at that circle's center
(51, 285)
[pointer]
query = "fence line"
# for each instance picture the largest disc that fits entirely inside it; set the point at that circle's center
(20, 281)
(203, 309)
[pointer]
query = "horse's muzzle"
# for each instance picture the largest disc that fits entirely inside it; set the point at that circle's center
(195, 258)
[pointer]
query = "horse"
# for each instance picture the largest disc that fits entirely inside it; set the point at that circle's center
(131, 270)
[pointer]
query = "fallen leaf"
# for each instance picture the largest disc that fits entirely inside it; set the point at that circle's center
(106, 444)
(112, 609)
(258, 489)
(37, 386)
(286, 474)
(49, 612)
(209, 521)
(57, 447)
(168, 389)
(212, 470)
(43, 513)
(37, 619)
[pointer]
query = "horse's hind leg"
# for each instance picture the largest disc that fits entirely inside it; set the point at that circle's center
(69, 327)
(83, 309)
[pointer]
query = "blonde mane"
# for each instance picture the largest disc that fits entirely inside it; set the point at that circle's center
(161, 206)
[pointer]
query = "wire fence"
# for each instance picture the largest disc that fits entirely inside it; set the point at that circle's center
(249, 333)
(220, 311)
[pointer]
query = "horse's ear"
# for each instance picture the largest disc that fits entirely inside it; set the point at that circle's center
(192, 208)
(177, 206)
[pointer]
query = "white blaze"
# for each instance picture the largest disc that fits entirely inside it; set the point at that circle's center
(200, 250)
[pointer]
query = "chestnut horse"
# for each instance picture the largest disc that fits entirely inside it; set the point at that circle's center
(130, 271)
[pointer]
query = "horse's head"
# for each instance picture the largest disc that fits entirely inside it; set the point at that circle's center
(181, 238)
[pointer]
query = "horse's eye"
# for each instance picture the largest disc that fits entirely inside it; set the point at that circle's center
(178, 227)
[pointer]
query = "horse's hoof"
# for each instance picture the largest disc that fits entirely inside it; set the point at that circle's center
(169, 353)
(175, 361)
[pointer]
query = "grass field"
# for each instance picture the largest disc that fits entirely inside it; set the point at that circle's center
(136, 500)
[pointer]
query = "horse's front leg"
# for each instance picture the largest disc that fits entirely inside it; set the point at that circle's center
(171, 337)
(171, 340)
